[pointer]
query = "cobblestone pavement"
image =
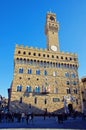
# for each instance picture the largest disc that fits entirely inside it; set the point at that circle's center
(52, 122)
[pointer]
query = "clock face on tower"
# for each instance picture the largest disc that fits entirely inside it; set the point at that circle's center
(53, 48)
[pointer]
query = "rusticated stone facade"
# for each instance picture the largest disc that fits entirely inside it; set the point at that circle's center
(83, 93)
(45, 80)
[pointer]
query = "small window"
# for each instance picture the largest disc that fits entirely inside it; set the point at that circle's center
(21, 70)
(70, 58)
(19, 52)
(29, 71)
(29, 53)
(47, 55)
(66, 58)
(37, 89)
(67, 82)
(73, 75)
(45, 72)
(68, 90)
(19, 88)
(37, 72)
(56, 100)
(75, 91)
(57, 57)
(66, 74)
(34, 54)
(39, 54)
(75, 59)
(74, 83)
(61, 57)
(43, 55)
(20, 77)
(52, 56)
(28, 89)
(24, 52)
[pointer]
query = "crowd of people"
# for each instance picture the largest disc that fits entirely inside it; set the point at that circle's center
(27, 117)
(16, 117)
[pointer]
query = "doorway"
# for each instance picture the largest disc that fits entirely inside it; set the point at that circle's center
(70, 108)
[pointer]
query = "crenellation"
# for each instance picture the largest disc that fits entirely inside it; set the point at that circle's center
(48, 75)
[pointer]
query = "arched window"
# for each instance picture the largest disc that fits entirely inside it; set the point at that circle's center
(37, 89)
(29, 71)
(19, 88)
(74, 82)
(68, 90)
(75, 91)
(37, 72)
(28, 89)
(67, 82)
(66, 74)
(17, 60)
(45, 72)
(21, 61)
(73, 75)
(21, 70)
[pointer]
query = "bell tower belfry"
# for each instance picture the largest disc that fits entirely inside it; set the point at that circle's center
(51, 31)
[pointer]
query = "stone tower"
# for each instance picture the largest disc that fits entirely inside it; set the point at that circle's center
(45, 79)
(51, 31)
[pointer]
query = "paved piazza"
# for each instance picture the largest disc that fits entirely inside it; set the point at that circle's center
(48, 123)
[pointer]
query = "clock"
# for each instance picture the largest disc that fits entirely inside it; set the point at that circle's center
(53, 48)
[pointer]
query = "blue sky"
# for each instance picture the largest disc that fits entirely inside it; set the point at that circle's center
(23, 21)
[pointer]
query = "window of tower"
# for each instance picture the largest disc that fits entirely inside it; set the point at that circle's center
(19, 52)
(66, 58)
(43, 55)
(57, 57)
(47, 55)
(24, 52)
(34, 54)
(61, 57)
(29, 53)
(39, 54)
(52, 56)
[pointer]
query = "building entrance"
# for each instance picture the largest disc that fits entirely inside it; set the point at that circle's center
(70, 108)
